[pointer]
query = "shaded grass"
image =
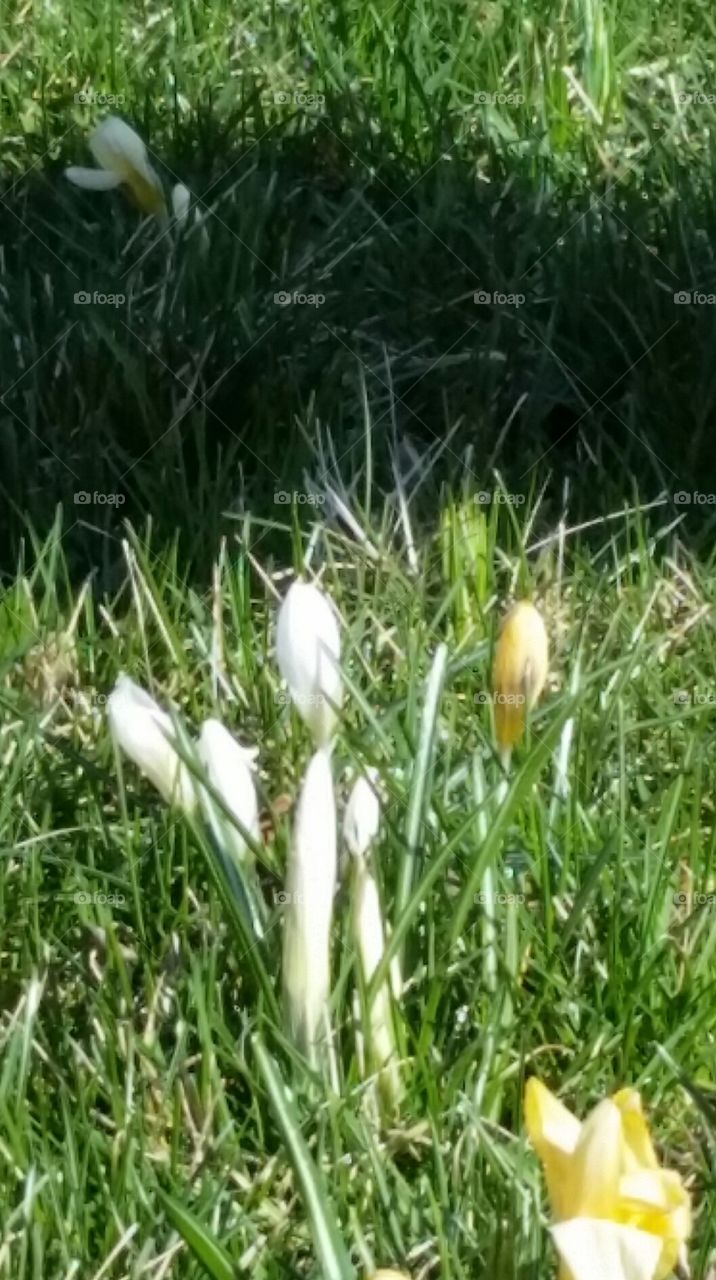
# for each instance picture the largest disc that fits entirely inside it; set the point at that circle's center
(395, 195)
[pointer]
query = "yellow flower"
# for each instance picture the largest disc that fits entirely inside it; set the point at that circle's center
(519, 672)
(619, 1215)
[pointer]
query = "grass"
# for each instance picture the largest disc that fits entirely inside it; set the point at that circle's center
(130, 1066)
(347, 153)
(152, 1113)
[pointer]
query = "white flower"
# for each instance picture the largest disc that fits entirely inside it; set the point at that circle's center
(310, 886)
(369, 936)
(228, 767)
(122, 157)
(181, 200)
(308, 649)
(146, 734)
(362, 816)
(595, 1248)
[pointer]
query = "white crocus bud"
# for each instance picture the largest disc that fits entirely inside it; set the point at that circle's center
(310, 887)
(122, 157)
(308, 649)
(229, 770)
(181, 201)
(369, 937)
(146, 734)
(360, 828)
(362, 816)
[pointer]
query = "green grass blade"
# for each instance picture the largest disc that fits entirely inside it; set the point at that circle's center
(329, 1245)
(206, 1249)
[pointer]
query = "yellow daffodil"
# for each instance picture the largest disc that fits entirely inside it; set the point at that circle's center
(519, 672)
(619, 1215)
(122, 157)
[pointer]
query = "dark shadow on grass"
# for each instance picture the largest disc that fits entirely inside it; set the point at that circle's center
(196, 394)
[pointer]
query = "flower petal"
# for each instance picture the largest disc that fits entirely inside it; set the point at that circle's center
(181, 200)
(597, 1163)
(145, 733)
(310, 885)
(519, 672)
(554, 1134)
(308, 649)
(657, 1201)
(639, 1152)
(92, 179)
(228, 768)
(115, 146)
(593, 1249)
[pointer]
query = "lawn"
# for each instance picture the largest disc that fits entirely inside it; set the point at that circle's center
(488, 384)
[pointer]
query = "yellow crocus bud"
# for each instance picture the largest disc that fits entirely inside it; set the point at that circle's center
(519, 672)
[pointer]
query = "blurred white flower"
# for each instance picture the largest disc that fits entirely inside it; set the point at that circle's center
(308, 649)
(122, 157)
(146, 734)
(229, 769)
(182, 207)
(310, 887)
(369, 936)
(181, 201)
(362, 816)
